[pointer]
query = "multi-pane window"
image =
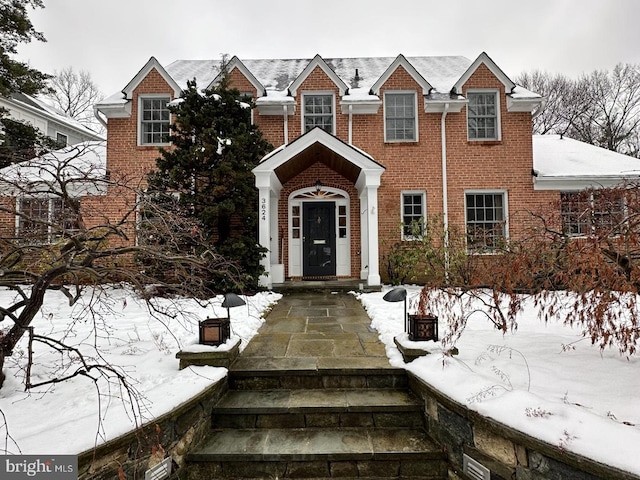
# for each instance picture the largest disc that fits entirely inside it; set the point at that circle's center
(61, 139)
(482, 116)
(318, 112)
(485, 221)
(45, 219)
(413, 215)
(154, 120)
(400, 117)
(585, 213)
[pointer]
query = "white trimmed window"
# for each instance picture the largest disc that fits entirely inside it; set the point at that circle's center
(586, 213)
(61, 139)
(414, 209)
(155, 120)
(318, 111)
(400, 119)
(485, 220)
(483, 115)
(44, 220)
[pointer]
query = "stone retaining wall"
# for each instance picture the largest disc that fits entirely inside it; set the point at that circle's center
(175, 433)
(506, 452)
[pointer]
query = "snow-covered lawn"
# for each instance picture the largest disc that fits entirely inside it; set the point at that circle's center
(69, 417)
(543, 379)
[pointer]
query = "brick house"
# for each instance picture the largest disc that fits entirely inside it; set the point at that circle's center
(398, 139)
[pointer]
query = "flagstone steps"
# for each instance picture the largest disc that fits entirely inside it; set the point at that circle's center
(369, 426)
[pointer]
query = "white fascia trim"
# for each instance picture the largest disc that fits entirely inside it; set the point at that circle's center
(401, 61)
(523, 104)
(360, 107)
(144, 71)
(235, 62)
(483, 58)
(439, 106)
(283, 154)
(318, 61)
(568, 183)
(115, 110)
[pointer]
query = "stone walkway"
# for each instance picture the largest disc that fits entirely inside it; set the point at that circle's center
(315, 331)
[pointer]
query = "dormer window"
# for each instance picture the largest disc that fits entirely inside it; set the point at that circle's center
(318, 111)
(400, 121)
(154, 120)
(483, 115)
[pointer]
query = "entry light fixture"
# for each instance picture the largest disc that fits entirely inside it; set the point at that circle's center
(318, 186)
(216, 331)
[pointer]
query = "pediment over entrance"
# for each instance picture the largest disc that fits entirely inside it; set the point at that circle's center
(286, 162)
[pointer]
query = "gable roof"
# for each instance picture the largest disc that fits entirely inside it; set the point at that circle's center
(484, 59)
(151, 64)
(320, 63)
(401, 61)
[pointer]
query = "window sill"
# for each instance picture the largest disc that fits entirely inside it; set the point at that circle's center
(484, 142)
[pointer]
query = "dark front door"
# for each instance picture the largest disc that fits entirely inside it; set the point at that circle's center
(319, 239)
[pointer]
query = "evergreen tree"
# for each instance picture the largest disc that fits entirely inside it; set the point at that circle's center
(214, 149)
(18, 140)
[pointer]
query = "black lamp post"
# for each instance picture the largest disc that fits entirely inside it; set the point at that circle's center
(398, 294)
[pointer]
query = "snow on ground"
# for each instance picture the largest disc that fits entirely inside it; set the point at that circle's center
(543, 379)
(69, 417)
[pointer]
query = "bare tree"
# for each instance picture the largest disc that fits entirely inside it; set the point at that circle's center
(602, 108)
(74, 246)
(613, 117)
(75, 94)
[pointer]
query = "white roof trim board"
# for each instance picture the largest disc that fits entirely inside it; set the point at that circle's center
(401, 61)
(318, 62)
(483, 58)
(144, 71)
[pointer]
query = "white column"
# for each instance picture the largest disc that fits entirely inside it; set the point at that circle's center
(364, 236)
(264, 229)
(373, 278)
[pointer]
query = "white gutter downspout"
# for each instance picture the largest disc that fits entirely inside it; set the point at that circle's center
(445, 201)
(286, 125)
(350, 125)
(100, 119)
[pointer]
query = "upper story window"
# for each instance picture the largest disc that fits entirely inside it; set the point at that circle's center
(318, 111)
(413, 214)
(486, 221)
(483, 115)
(45, 220)
(61, 139)
(155, 120)
(586, 213)
(400, 121)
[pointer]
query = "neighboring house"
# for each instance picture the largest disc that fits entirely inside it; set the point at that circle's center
(365, 147)
(52, 123)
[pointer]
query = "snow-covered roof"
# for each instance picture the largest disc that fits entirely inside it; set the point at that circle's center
(82, 166)
(358, 80)
(47, 110)
(561, 163)
(359, 74)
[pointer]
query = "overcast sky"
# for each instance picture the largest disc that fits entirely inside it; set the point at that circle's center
(113, 39)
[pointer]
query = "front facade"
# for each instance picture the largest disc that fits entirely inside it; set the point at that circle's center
(364, 148)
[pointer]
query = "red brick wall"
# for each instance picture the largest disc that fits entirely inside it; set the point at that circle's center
(496, 165)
